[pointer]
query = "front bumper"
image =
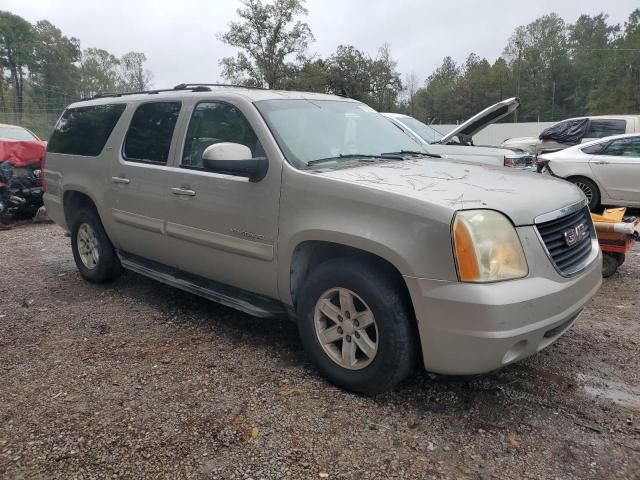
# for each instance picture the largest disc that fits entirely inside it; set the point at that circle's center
(470, 328)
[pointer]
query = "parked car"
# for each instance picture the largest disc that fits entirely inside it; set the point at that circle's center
(317, 207)
(575, 131)
(458, 143)
(606, 170)
(21, 156)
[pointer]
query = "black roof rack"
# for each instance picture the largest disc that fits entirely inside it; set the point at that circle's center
(193, 87)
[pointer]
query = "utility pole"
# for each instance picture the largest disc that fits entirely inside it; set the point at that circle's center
(519, 45)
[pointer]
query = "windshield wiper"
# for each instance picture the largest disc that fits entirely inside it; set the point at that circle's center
(384, 156)
(413, 152)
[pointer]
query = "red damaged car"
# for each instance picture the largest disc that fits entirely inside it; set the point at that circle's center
(21, 159)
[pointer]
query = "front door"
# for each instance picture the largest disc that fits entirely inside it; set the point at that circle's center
(139, 182)
(224, 227)
(617, 168)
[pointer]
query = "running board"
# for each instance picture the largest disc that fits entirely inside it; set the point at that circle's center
(248, 302)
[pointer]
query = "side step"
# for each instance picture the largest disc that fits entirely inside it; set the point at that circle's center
(248, 302)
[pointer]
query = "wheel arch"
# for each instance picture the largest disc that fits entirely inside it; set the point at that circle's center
(310, 253)
(75, 198)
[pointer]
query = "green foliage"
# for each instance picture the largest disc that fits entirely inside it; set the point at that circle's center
(268, 35)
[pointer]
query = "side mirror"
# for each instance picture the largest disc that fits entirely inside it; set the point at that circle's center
(234, 159)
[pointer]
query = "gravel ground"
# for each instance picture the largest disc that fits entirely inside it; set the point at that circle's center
(139, 380)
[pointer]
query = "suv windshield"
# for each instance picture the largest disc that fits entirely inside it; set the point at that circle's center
(424, 131)
(309, 130)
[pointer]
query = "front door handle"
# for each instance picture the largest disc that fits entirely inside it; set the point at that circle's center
(122, 180)
(183, 191)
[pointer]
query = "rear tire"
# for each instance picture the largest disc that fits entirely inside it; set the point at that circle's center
(381, 358)
(590, 190)
(93, 252)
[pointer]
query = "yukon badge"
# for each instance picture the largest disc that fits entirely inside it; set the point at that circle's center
(575, 235)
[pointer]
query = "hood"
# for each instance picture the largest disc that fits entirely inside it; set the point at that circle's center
(455, 185)
(22, 153)
(483, 119)
(524, 143)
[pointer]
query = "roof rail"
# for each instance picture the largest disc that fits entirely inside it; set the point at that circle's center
(193, 86)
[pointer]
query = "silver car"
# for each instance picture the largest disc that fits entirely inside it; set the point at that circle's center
(458, 143)
(317, 207)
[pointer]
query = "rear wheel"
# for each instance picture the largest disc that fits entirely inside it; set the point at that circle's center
(357, 327)
(590, 190)
(93, 252)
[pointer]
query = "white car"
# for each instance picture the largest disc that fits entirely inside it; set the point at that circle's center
(607, 170)
(458, 144)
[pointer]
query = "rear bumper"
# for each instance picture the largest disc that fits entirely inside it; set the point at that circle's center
(475, 328)
(55, 210)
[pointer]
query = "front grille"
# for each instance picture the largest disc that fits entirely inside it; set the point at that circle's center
(568, 259)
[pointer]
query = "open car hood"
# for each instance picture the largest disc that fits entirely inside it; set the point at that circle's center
(483, 119)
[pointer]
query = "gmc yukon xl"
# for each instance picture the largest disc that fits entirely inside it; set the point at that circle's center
(317, 207)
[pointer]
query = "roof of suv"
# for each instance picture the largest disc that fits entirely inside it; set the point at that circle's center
(252, 94)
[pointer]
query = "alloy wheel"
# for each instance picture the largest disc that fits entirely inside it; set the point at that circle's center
(346, 328)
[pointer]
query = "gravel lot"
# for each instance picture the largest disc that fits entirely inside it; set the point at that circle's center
(138, 380)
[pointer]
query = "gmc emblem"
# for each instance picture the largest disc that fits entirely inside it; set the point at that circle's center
(575, 235)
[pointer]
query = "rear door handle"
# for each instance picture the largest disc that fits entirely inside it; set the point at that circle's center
(183, 191)
(122, 180)
(602, 162)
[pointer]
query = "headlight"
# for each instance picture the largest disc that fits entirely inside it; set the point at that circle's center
(487, 247)
(518, 160)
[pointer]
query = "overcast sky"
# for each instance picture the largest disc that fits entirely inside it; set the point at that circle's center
(180, 41)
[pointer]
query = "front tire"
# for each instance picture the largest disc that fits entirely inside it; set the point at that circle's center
(357, 326)
(590, 190)
(93, 252)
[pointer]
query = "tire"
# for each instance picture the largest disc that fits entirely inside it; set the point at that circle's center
(393, 328)
(590, 189)
(609, 265)
(106, 267)
(620, 257)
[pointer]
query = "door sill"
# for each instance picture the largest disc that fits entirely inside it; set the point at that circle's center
(237, 298)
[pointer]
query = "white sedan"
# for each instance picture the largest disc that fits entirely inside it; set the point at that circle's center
(607, 170)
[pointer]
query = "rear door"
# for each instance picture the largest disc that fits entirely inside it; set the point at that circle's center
(139, 181)
(224, 227)
(617, 168)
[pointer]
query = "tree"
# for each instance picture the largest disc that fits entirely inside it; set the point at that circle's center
(99, 72)
(349, 73)
(269, 36)
(54, 74)
(133, 76)
(385, 83)
(411, 87)
(16, 52)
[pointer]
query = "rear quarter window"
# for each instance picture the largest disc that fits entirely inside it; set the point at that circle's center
(85, 130)
(606, 128)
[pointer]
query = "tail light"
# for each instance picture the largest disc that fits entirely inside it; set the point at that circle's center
(43, 181)
(542, 164)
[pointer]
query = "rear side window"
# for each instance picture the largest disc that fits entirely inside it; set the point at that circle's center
(149, 137)
(85, 130)
(606, 128)
(594, 149)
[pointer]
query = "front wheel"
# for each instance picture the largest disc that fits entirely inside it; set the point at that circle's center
(357, 326)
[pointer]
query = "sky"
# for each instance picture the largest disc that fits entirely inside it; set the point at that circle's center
(180, 38)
